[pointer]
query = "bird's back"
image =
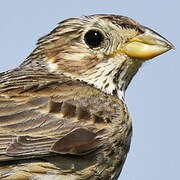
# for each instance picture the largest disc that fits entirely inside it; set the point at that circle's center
(53, 129)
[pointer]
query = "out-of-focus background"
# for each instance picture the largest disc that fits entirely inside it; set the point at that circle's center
(153, 96)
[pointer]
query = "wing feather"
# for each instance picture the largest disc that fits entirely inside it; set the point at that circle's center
(39, 125)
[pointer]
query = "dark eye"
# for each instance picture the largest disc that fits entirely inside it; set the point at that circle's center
(93, 38)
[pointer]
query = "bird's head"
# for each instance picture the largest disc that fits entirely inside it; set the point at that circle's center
(104, 51)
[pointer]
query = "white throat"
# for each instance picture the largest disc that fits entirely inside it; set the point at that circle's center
(102, 78)
(112, 76)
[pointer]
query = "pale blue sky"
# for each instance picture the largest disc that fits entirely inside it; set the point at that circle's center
(153, 96)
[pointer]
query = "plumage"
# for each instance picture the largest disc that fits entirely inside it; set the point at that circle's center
(62, 111)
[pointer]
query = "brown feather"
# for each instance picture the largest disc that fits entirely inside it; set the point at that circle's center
(60, 117)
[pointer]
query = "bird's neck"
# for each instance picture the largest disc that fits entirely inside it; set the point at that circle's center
(112, 77)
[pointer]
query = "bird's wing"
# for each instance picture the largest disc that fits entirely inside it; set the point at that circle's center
(55, 118)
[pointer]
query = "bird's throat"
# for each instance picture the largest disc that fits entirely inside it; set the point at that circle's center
(112, 78)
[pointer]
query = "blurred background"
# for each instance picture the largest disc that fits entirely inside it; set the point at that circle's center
(152, 97)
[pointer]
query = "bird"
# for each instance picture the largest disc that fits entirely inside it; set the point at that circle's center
(63, 114)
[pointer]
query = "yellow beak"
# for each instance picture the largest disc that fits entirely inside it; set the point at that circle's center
(147, 45)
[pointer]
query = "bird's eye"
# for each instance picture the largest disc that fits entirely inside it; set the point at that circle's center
(93, 38)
